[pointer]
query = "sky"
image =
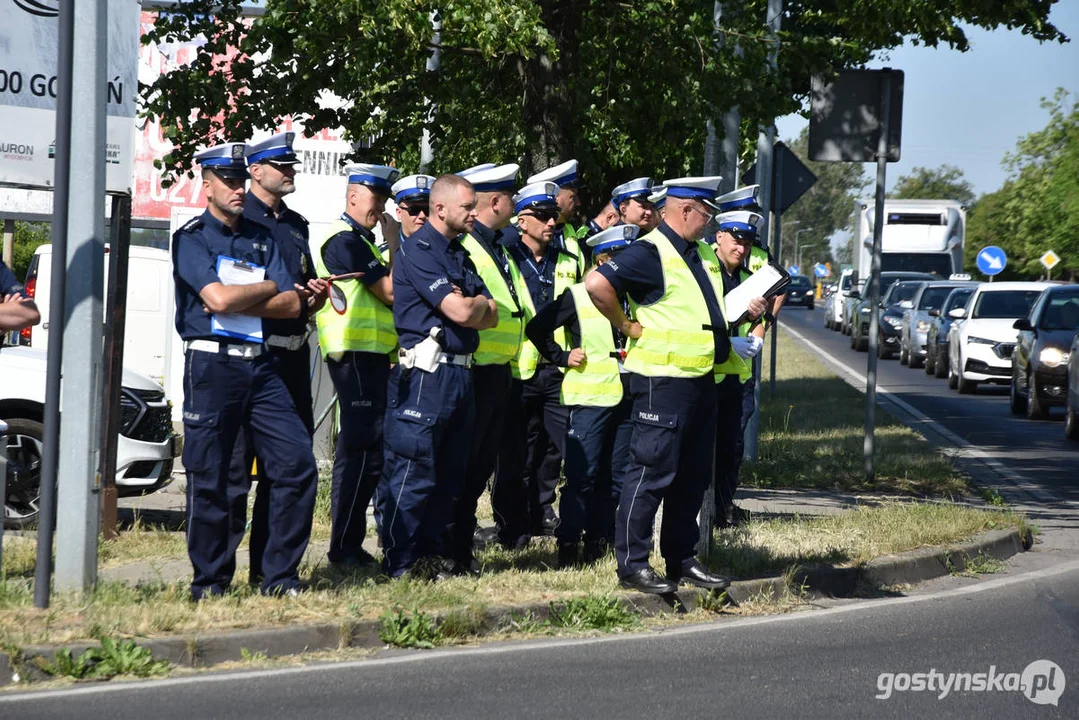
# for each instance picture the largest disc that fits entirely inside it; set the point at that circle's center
(969, 109)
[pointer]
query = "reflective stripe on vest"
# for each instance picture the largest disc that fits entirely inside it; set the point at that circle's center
(500, 344)
(673, 342)
(597, 382)
(367, 325)
(566, 273)
(741, 368)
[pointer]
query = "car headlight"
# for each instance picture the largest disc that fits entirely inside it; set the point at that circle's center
(1053, 357)
(980, 341)
(923, 326)
(892, 320)
(864, 311)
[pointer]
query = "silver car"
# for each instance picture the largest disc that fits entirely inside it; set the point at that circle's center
(916, 320)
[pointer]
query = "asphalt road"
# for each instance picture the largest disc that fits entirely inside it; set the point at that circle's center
(1044, 463)
(827, 663)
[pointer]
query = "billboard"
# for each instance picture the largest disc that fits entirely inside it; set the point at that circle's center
(28, 86)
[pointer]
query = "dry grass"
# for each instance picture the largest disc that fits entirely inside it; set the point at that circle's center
(812, 433)
(510, 578)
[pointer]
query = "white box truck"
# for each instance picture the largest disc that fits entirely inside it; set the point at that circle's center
(917, 236)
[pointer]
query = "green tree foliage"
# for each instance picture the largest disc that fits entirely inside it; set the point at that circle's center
(1037, 209)
(826, 208)
(946, 182)
(624, 87)
(28, 237)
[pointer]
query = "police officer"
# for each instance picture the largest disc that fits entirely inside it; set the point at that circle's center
(356, 344)
(658, 198)
(631, 200)
(229, 274)
(491, 373)
(606, 217)
(736, 237)
(536, 428)
(566, 236)
(17, 311)
(440, 305)
(678, 337)
(596, 390)
(410, 195)
(272, 165)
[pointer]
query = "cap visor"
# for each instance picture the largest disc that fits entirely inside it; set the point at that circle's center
(283, 160)
(229, 173)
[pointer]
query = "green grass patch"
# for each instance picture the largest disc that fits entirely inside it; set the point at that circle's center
(812, 434)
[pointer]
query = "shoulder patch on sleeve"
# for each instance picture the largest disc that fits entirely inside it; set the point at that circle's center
(191, 225)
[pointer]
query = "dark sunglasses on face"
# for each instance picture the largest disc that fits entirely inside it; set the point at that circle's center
(543, 216)
(414, 210)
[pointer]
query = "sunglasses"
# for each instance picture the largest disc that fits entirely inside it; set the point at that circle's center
(414, 210)
(543, 215)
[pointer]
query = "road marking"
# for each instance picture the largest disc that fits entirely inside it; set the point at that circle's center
(419, 656)
(921, 421)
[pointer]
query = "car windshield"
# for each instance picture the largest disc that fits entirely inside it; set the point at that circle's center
(958, 298)
(940, 264)
(933, 297)
(799, 281)
(900, 292)
(1005, 304)
(1061, 313)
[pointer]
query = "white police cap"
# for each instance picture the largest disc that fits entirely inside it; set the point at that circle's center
(743, 224)
(564, 175)
(637, 188)
(475, 168)
(412, 186)
(613, 238)
(226, 160)
(379, 178)
(536, 195)
(746, 198)
(658, 196)
(276, 149)
(493, 179)
(702, 188)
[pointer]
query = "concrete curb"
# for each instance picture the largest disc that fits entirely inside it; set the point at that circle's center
(204, 650)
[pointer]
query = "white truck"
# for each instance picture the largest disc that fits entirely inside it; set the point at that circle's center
(918, 236)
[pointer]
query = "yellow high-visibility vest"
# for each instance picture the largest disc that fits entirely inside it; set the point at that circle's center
(597, 382)
(566, 273)
(367, 325)
(673, 342)
(502, 343)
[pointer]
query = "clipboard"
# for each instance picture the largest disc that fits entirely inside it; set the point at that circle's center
(767, 282)
(232, 271)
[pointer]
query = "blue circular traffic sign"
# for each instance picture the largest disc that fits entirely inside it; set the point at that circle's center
(991, 260)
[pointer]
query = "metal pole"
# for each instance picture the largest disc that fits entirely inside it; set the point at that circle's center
(78, 517)
(874, 274)
(51, 441)
(777, 240)
(9, 242)
(434, 61)
(765, 176)
(119, 250)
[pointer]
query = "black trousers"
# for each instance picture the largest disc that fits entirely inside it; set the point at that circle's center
(734, 406)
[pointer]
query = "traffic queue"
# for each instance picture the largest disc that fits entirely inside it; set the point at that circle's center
(580, 374)
(1021, 334)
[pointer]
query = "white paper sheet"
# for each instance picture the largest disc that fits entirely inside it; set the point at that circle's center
(244, 327)
(759, 284)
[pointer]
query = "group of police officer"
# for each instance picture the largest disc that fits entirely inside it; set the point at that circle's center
(473, 348)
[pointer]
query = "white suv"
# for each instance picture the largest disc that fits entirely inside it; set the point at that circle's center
(981, 343)
(145, 452)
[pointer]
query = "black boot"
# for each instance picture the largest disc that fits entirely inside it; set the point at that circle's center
(568, 555)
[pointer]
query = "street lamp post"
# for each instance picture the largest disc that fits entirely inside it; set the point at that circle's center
(803, 249)
(797, 237)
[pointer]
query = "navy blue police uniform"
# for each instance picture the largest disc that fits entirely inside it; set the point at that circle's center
(360, 379)
(231, 384)
(429, 415)
(287, 343)
(9, 284)
(536, 427)
(674, 420)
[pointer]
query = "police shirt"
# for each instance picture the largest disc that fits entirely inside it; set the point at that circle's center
(290, 232)
(196, 248)
(427, 268)
(9, 284)
(346, 252)
(638, 272)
